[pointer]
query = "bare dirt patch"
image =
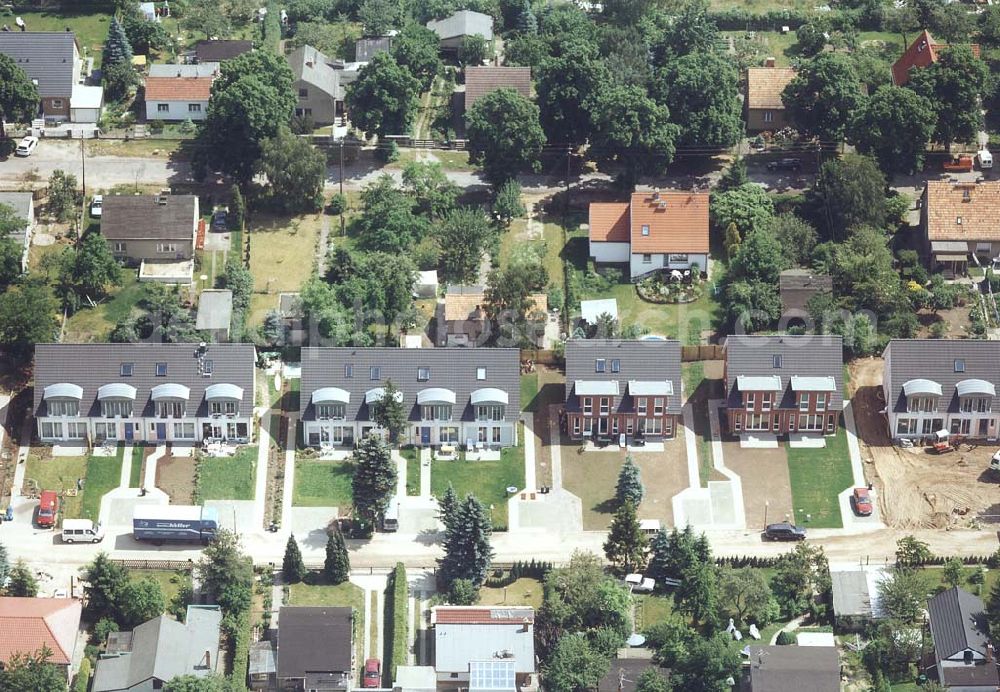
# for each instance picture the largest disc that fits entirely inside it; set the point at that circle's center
(175, 477)
(917, 489)
(766, 486)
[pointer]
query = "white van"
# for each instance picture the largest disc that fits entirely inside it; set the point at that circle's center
(81, 531)
(985, 159)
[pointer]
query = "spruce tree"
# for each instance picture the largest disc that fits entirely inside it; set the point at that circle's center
(447, 506)
(626, 544)
(22, 581)
(117, 49)
(4, 563)
(467, 550)
(106, 582)
(388, 411)
(659, 558)
(629, 487)
(374, 481)
(337, 566)
(292, 567)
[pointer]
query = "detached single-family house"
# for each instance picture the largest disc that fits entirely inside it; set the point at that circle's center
(765, 111)
(923, 52)
(462, 321)
(959, 224)
(480, 81)
(28, 624)
(144, 392)
(652, 232)
(201, 69)
(798, 286)
(51, 59)
(159, 650)
(315, 648)
(484, 647)
(783, 384)
(856, 600)
(792, 669)
(215, 313)
(150, 228)
(449, 395)
(963, 654)
(178, 98)
(220, 50)
(618, 387)
(452, 30)
(367, 48)
(931, 385)
(23, 205)
(320, 83)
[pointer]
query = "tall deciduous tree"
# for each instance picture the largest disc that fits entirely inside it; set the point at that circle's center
(632, 131)
(337, 566)
(822, 97)
(383, 99)
(295, 170)
(293, 569)
(32, 671)
(745, 596)
(651, 680)
(800, 575)
(416, 49)
(574, 665)
(464, 237)
(388, 221)
(629, 487)
(379, 17)
(27, 316)
(955, 86)
(796, 237)
(567, 86)
(473, 51)
(507, 204)
(702, 92)
(4, 563)
(18, 95)
(903, 594)
(748, 206)
(508, 293)
(64, 196)
(95, 269)
(467, 550)
(710, 662)
(141, 600)
(388, 412)
(505, 135)
(226, 573)
(198, 683)
(851, 192)
(374, 481)
(429, 186)
(626, 544)
(105, 587)
(11, 252)
(894, 126)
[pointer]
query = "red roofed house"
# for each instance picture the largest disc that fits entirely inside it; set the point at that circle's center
(28, 624)
(484, 647)
(656, 230)
(178, 98)
(923, 52)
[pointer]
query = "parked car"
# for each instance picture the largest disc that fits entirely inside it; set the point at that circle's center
(784, 165)
(48, 509)
(220, 221)
(959, 163)
(373, 674)
(96, 206)
(784, 532)
(862, 501)
(81, 531)
(26, 146)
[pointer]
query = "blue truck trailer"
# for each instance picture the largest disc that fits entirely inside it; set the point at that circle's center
(161, 523)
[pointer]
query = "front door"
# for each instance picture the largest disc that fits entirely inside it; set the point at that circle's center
(128, 432)
(602, 426)
(425, 436)
(161, 431)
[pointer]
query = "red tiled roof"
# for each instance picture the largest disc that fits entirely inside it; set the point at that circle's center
(483, 616)
(178, 88)
(923, 52)
(28, 624)
(962, 211)
(765, 86)
(609, 222)
(678, 222)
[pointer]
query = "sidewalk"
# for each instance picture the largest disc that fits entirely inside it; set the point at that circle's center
(263, 453)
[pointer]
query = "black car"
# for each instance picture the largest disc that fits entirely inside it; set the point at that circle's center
(219, 221)
(784, 165)
(784, 532)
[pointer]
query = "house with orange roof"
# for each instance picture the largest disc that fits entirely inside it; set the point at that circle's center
(28, 624)
(923, 52)
(765, 110)
(960, 223)
(651, 232)
(178, 97)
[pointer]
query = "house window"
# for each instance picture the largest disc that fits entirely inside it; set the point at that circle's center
(906, 426)
(105, 431)
(678, 259)
(647, 259)
(331, 411)
(576, 426)
(194, 108)
(959, 365)
(423, 374)
(184, 431)
(652, 426)
(116, 408)
(658, 406)
(375, 373)
(64, 408)
(161, 369)
(983, 405)
(126, 369)
(640, 406)
(51, 429)
(599, 365)
(924, 404)
(166, 247)
(830, 423)
(229, 408)
(803, 402)
(960, 426)
(480, 374)
(207, 366)
(768, 116)
(163, 108)
(588, 406)
(448, 434)
(765, 402)
(776, 361)
(645, 229)
(303, 93)
(169, 409)
(435, 412)
(496, 435)
(118, 248)
(489, 412)
(616, 365)
(821, 401)
(348, 371)
(605, 405)
(738, 424)
(76, 431)
(751, 401)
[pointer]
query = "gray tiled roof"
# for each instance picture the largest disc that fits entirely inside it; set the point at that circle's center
(92, 366)
(639, 360)
(220, 50)
(850, 593)
(20, 202)
(794, 668)
(312, 67)
(46, 57)
(934, 359)
(202, 69)
(141, 217)
(366, 48)
(804, 356)
(313, 639)
(958, 622)
(450, 368)
(463, 23)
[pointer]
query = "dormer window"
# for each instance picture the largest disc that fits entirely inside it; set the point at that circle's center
(375, 373)
(616, 365)
(600, 365)
(960, 365)
(776, 361)
(348, 371)
(207, 367)
(127, 369)
(958, 220)
(645, 229)
(480, 373)
(161, 369)
(423, 374)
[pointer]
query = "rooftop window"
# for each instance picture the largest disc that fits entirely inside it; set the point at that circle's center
(959, 365)
(126, 369)
(161, 369)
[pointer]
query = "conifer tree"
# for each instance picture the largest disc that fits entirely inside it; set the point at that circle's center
(629, 487)
(626, 544)
(117, 49)
(292, 567)
(467, 550)
(374, 481)
(338, 563)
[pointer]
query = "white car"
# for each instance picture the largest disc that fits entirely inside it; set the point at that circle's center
(95, 206)
(26, 146)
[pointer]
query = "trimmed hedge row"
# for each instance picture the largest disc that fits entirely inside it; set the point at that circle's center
(238, 630)
(500, 578)
(396, 621)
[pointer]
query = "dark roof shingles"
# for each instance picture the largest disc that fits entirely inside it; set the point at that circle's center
(639, 360)
(313, 639)
(934, 359)
(142, 217)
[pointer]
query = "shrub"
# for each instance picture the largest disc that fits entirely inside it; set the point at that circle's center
(156, 126)
(396, 621)
(337, 205)
(785, 638)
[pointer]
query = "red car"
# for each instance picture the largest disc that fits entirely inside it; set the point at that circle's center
(862, 501)
(48, 509)
(373, 674)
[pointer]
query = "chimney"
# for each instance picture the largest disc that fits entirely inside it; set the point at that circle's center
(206, 660)
(989, 653)
(769, 62)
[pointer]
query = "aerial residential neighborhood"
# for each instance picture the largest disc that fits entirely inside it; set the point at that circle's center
(485, 345)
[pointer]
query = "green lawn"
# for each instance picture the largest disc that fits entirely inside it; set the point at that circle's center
(103, 475)
(135, 475)
(412, 456)
(323, 484)
(170, 581)
(487, 480)
(529, 390)
(228, 478)
(524, 591)
(90, 27)
(817, 477)
(44, 472)
(95, 323)
(651, 609)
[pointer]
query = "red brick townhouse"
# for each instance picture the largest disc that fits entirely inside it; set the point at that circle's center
(783, 384)
(616, 387)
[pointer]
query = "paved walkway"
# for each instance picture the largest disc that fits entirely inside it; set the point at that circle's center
(691, 445)
(400, 473)
(260, 479)
(529, 451)
(851, 520)
(719, 463)
(324, 243)
(425, 472)
(554, 454)
(288, 489)
(22, 461)
(149, 478)
(125, 479)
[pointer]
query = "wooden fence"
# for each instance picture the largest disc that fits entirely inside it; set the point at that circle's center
(690, 354)
(172, 565)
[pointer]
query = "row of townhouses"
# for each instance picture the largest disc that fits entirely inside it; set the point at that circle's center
(471, 397)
